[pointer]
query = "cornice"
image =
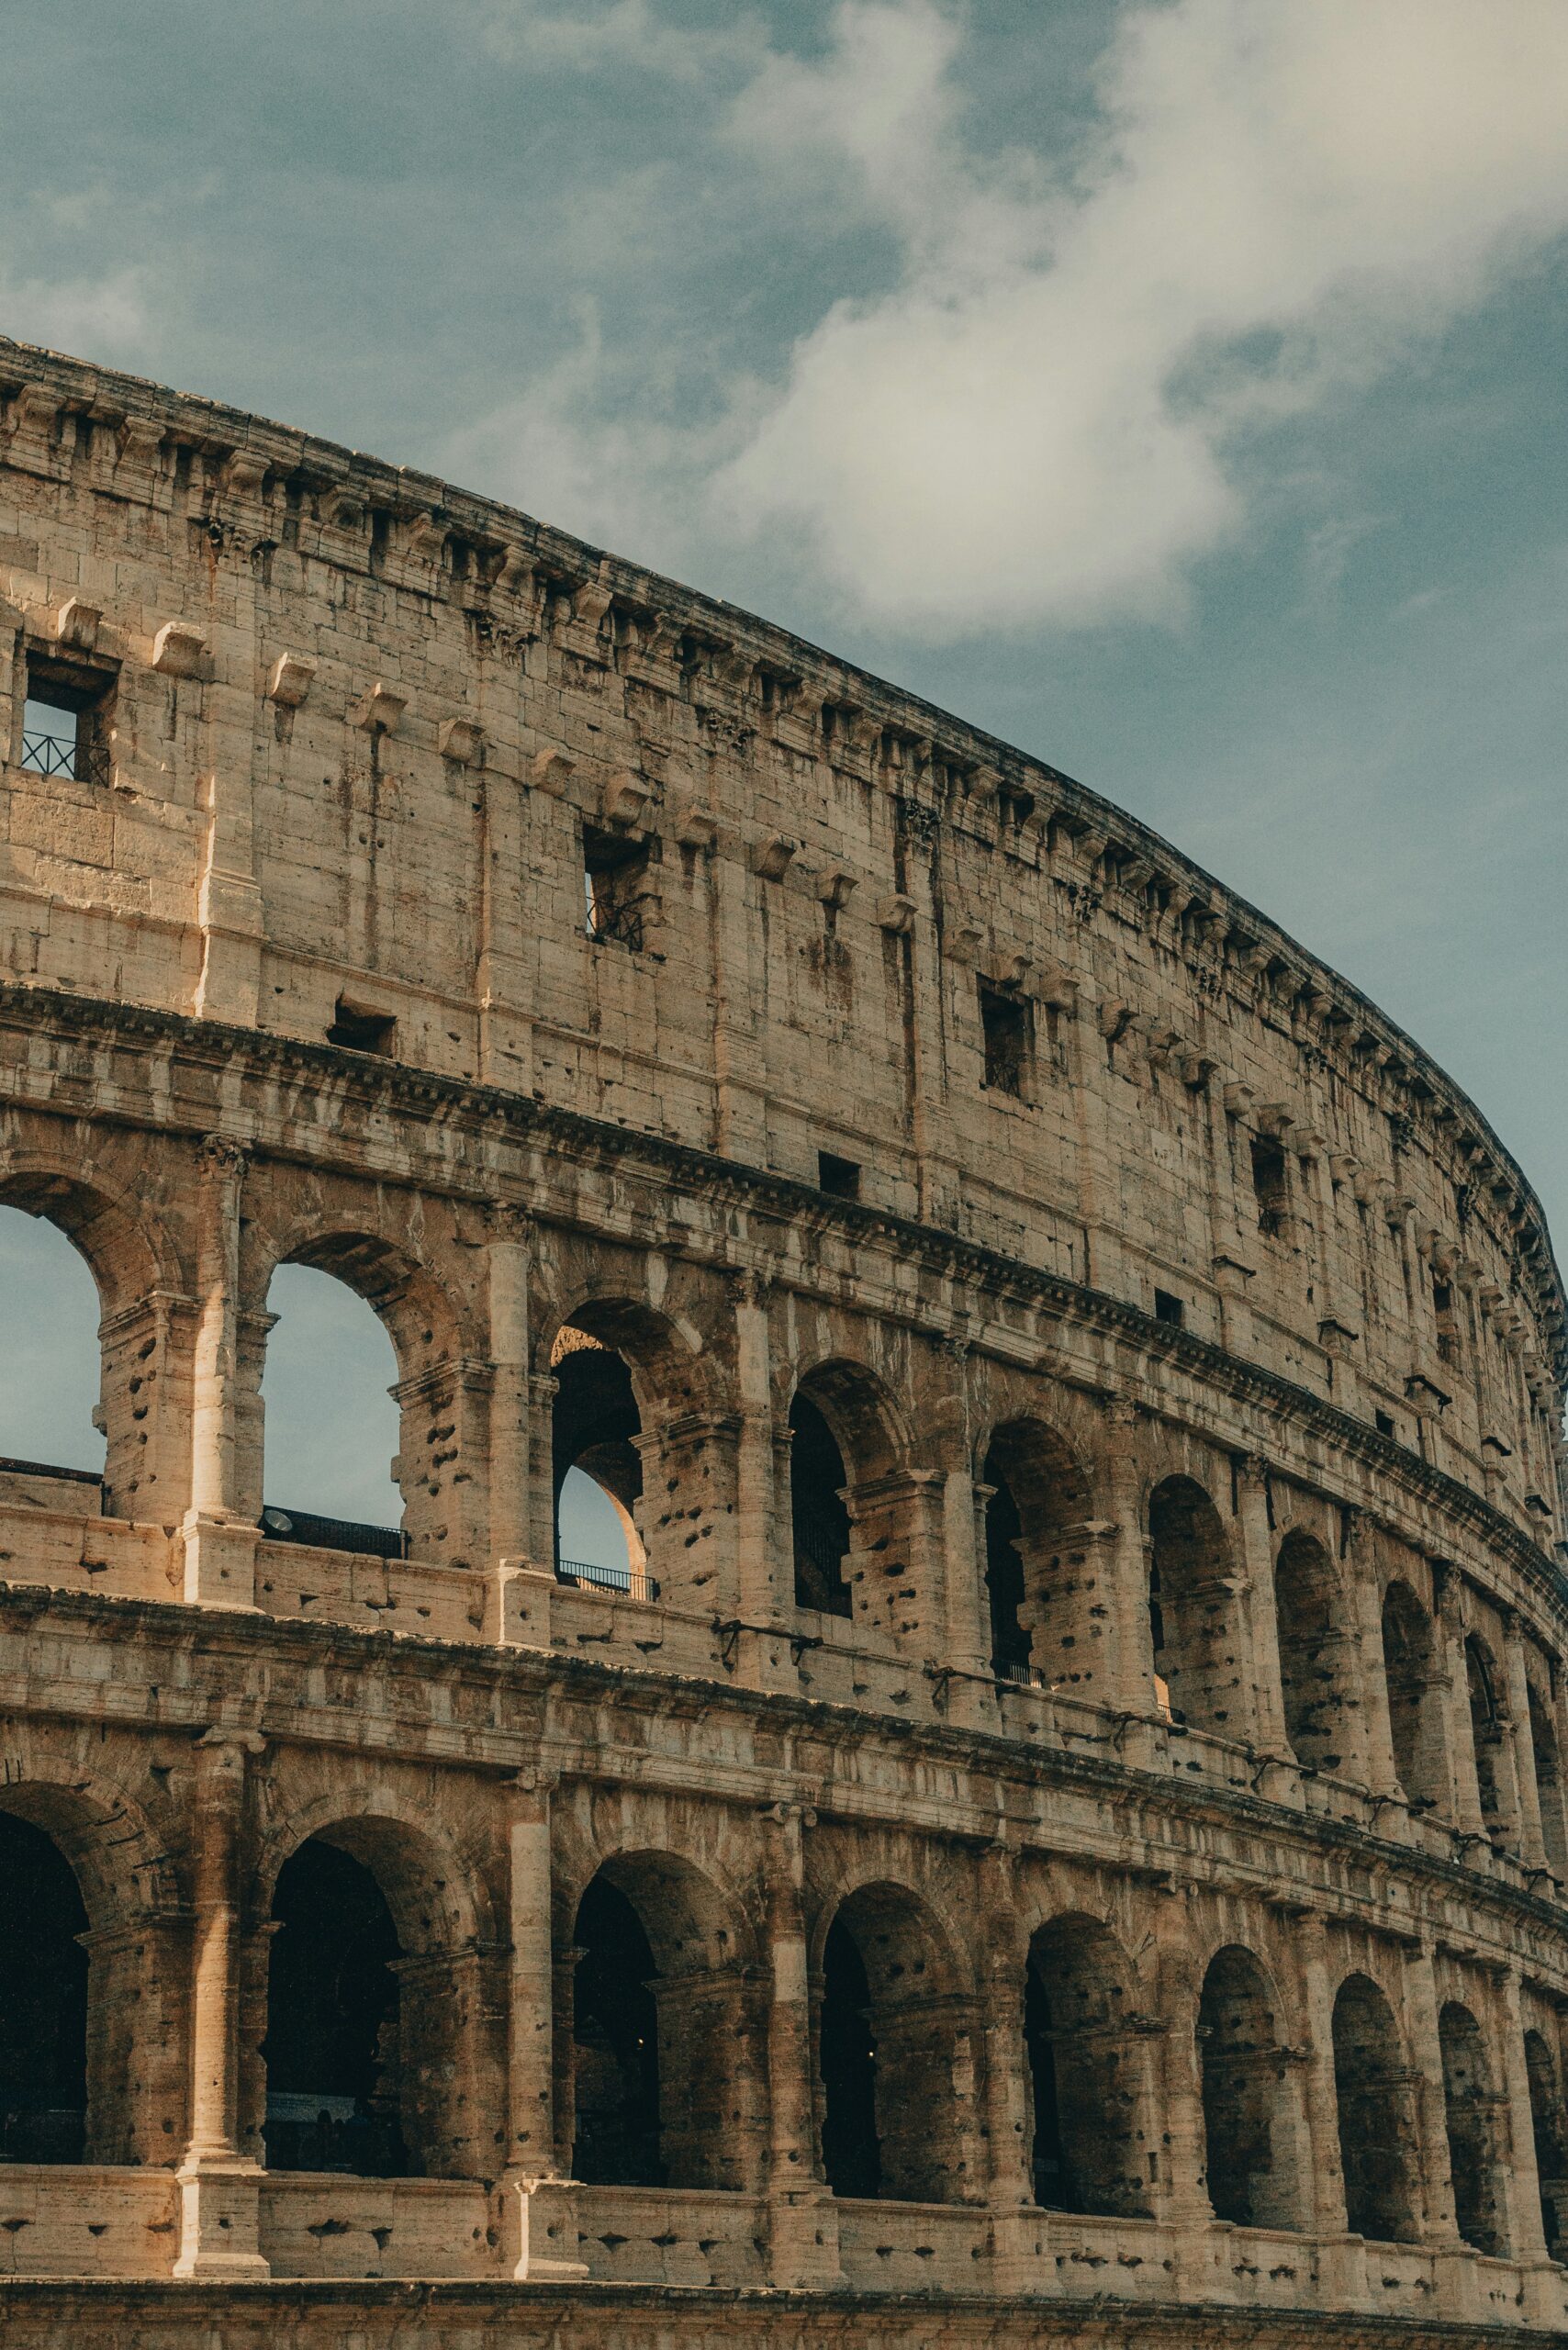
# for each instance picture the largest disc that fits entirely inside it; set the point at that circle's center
(536, 558)
(389, 1085)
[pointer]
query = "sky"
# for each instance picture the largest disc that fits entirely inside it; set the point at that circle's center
(1175, 388)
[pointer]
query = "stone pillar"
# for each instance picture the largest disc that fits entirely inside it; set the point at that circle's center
(919, 848)
(1521, 2178)
(228, 901)
(1184, 2203)
(764, 1566)
(521, 1581)
(738, 1056)
(1325, 2176)
(1010, 2182)
(1532, 1840)
(219, 2186)
(1419, 2031)
(1374, 1763)
(219, 1548)
(964, 1630)
(536, 2215)
(1266, 1696)
(1466, 1812)
(802, 2217)
(1132, 1678)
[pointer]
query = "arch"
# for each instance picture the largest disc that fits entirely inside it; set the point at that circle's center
(126, 1253)
(1548, 1777)
(1041, 1582)
(1470, 2112)
(1249, 2121)
(1193, 1608)
(1410, 1672)
(631, 1412)
(890, 2029)
(1549, 2129)
(368, 1975)
(52, 1309)
(595, 1436)
(1377, 2118)
(43, 1999)
(329, 1419)
(663, 2026)
(1090, 2136)
(1487, 1729)
(860, 1525)
(1313, 1653)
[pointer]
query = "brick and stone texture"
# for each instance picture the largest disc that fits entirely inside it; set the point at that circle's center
(1076, 1772)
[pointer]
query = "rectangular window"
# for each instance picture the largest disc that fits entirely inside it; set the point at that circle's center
(615, 888)
(362, 1032)
(1169, 1309)
(1270, 1184)
(65, 720)
(1007, 1027)
(1383, 1423)
(838, 1177)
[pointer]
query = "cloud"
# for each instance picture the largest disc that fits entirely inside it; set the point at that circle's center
(629, 33)
(106, 317)
(1043, 421)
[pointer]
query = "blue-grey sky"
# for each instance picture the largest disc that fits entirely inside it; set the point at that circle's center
(1176, 387)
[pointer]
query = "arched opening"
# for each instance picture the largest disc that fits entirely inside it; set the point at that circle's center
(1090, 2147)
(1547, 2126)
(1485, 1728)
(1191, 1609)
(1470, 2109)
(662, 2032)
(50, 1308)
(332, 1427)
(1248, 2121)
(819, 1516)
(1312, 1680)
(1411, 1681)
(1377, 2119)
(334, 2048)
(887, 2049)
(615, 2035)
(43, 2000)
(596, 1466)
(1041, 1577)
(1548, 1780)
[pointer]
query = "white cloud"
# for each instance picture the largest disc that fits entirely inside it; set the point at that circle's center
(1046, 418)
(106, 317)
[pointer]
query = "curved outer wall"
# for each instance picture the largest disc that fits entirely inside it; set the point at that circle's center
(1159, 1225)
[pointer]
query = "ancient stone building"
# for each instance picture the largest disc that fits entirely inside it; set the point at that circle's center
(1058, 1833)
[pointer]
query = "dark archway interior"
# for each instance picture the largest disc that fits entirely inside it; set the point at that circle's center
(1408, 1664)
(1082, 2074)
(1468, 2109)
(615, 2030)
(1377, 2133)
(596, 1424)
(1547, 2124)
(332, 2045)
(819, 1520)
(43, 2000)
(852, 2156)
(1190, 1612)
(1010, 1644)
(1485, 1725)
(1548, 1779)
(1243, 2083)
(1306, 1597)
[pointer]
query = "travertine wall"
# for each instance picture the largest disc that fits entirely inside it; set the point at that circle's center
(356, 736)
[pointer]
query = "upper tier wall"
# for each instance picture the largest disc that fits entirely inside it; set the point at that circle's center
(355, 736)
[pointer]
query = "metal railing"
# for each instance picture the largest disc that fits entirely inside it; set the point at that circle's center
(80, 761)
(334, 1533)
(630, 1583)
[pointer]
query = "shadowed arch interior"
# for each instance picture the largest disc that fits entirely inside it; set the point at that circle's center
(1407, 1657)
(43, 2000)
(1486, 1728)
(1247, 2118)
(888, 2039)
(1192, 1606)
(1377, 2118)
(334, 2092)
(1470, 2114)
(1090, 2147)
(1549, 2126)
(1313, 1655)
(1040, 1582)
(1548, 1762)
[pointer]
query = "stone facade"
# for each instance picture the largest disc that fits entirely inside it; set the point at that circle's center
(1162, 1773)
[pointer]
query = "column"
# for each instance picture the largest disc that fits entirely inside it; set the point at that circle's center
(1010, 2188)
(1263, 1625)
(1341, 2260)
(521, 1584)
(1376, 1759)
(1183, 2204)
(1132, 1677)
(919, 847)
(228, 904)
(219, 1547)
(1527, 2229)
(1463, 1777)
(1421, 2038)
(803, 2219)
(537, 2213)
(1532, 1840)
(220, 2188)
(964, 1629)
(764, 1572)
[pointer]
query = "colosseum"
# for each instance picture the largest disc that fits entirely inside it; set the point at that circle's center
(1056, 1831)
